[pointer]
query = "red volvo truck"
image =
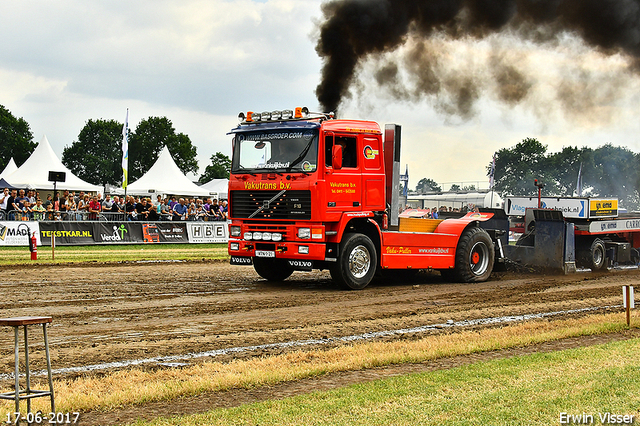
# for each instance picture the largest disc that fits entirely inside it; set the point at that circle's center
(308, 191)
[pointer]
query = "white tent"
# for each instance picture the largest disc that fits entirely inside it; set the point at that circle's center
(220, 186)
(10, 168)
(164, 177)
(34, 173)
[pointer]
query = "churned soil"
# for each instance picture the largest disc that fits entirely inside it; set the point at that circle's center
(105, 313)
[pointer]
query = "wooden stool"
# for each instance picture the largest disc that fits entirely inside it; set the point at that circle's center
(28, 393)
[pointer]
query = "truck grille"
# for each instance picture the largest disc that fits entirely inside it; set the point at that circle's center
(258, 205)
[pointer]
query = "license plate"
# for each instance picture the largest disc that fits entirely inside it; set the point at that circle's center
(241, 260)
(265, 253)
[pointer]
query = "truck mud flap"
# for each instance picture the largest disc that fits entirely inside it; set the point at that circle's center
(241, 260)
(301, 265)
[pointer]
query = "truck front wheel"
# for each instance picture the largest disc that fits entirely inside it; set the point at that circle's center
(272, 269)
(357, 262)
(474, 257)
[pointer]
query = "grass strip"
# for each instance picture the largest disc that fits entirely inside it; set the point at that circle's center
(113, 253)
(134, 386)
(524, 390)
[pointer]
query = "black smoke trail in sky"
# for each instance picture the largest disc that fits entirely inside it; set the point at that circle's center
(353, 30)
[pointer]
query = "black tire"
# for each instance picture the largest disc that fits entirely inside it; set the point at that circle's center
(593, 257)
(272, 269)
(475, 255)
(357, 262)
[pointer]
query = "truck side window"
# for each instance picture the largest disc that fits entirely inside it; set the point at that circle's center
(349, 149)
(349, 157)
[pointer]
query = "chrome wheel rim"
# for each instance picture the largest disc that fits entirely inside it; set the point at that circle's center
(359, 261)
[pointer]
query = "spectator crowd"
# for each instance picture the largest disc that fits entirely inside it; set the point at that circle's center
(27, 205)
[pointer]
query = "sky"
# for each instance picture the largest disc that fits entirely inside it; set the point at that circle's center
(199, 63)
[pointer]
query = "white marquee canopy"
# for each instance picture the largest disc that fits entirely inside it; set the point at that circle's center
(164, 177)
(34, 173)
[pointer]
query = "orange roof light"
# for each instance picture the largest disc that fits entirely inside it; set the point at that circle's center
(298, 113)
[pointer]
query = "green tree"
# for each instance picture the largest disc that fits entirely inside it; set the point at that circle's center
(145, 145)
(96, 156)
(427, 185)
(517, 167)
(218, 169)
(16, 139)
(615, 174)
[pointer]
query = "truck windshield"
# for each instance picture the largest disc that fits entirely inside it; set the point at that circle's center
(275, 150)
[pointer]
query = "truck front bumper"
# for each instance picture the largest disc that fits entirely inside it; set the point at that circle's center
(314, 251)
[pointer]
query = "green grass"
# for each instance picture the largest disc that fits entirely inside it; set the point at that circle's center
(113, 253)
(524, 390)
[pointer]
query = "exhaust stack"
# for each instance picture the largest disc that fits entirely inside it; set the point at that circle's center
(392, 171)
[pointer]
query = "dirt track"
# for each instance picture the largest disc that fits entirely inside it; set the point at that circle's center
(107, 313)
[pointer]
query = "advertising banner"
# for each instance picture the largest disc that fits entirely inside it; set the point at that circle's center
(577, 208)
(67, 233)
(208, 232)
(17, 233)
(90, 233)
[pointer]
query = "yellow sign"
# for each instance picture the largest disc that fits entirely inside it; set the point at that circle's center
(603, 207)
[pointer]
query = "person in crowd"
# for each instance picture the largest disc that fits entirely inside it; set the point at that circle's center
(94, 208)
(214, 210)
(62, 204)
(4, 199)
(50, 214)
(18, 204)
(27, 213)
(38, 210)
(165, 210)
(47, 201)
(11, 204)
(173, 203)
(71, 208)
(434, 213)
(180, 210)
(31, 195)
(130, 208)
(152, 211)
(142, 209)
(191, 211)
(83, 207)
(79, 197)
(107, 203)
(224, 210)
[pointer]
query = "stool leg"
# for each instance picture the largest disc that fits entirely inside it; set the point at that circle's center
(26, 363)
(17, 371)
(46, 348)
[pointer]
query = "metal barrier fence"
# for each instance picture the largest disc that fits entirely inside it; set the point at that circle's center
(74, 216)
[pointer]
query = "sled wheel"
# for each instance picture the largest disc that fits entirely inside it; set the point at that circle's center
(474, 257)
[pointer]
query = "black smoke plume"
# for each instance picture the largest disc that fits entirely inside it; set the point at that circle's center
(355, 30)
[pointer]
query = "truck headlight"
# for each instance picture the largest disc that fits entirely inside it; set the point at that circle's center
(248, 235)
(304, 233)
(235, 231)
(234, 246)
(276, 236)
(303, 249)
(257, 235)
(266, 236)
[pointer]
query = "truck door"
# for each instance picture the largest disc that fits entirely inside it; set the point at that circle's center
(344, 186)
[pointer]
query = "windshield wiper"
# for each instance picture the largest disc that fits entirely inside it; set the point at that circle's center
(301, 156)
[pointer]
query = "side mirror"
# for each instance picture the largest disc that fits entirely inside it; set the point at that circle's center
(336, 157)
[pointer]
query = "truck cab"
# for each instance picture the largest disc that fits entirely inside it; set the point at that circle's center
(308, 191)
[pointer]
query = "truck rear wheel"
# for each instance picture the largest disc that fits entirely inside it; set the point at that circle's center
(593, 257)
(357, 262)
(272, 269)
(474, 257)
